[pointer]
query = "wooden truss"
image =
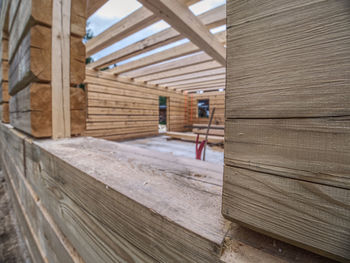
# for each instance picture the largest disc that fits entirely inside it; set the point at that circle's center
(199, 64)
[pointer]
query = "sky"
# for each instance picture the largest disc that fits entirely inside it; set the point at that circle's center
(115, 10)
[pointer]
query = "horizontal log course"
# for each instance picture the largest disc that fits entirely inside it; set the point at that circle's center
(122, 218)
(30, 110)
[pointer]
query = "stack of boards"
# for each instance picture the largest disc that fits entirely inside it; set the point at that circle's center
(215, 135)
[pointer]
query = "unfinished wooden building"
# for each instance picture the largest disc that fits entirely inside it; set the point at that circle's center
(279, 80)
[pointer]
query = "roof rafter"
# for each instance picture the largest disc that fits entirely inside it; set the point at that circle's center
(170, 53)
(138, 20)
(196, 80)
(181, 71)
(206, 73)
(212, 18)
(193, 59)
(184, 21)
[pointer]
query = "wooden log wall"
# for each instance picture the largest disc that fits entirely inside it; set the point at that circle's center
(30, 49)
(120, 110)
(4, 65)
(216, 99)
(287, 147)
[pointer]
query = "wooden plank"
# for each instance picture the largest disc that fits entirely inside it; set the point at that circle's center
(32, 61)
(48, 238)
(181, 71)
(168, 54)
(211, 132)
(212, 18)
(30, 110)
(314, 150)
(286, 146)
(29, 13)
(184, 21)
(192, 137)
(287, 208)
(194, 59)
(200, 80)
(138, 20)
(4, 94)
(206, 73)
(60, 65)
(302, 73)
(4, 114)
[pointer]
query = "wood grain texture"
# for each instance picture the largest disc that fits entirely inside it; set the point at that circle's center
(32, 61)
(124, 219)
(24, 16)
(4, 112)
(30, 110)
(302, 209)
(314, 150)
(287, 121)
(292, 64)
(60, 69)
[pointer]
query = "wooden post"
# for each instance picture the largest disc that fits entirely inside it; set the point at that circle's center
(60, 72)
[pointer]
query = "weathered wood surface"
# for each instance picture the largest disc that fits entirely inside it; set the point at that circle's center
(287, 121)
(126, 218)
(32, 61)
(27, 13)
(31, 110)
(309, 214)
(304, 70)
(44, 240)
(314, 150)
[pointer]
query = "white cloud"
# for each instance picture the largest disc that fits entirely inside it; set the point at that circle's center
(117, 9)
(205, 5)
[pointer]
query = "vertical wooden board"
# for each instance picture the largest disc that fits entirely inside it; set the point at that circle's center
(313, 216)
(4, 49)
(32, 61)
(4, 94)
(5, 70)
(5, 114)
(292, 64)
(60, 66)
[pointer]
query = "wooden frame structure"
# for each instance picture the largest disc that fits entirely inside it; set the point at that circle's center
(181, 68)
